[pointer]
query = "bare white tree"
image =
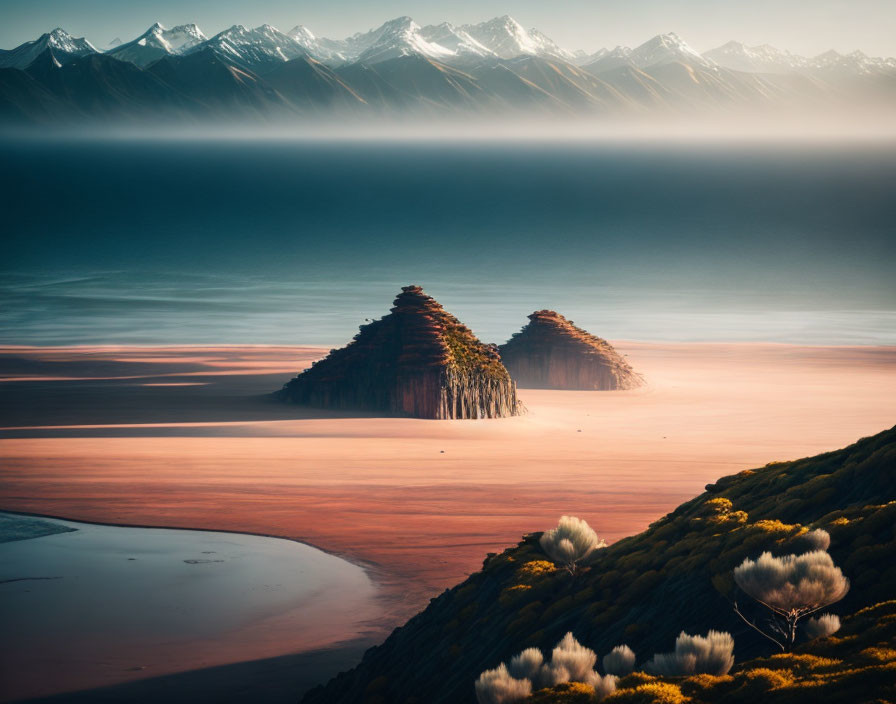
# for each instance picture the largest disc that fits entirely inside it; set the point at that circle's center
(620, 661)
(712, 654)
(821, 626)
(791, 587)
(498, 687)
(570, 542)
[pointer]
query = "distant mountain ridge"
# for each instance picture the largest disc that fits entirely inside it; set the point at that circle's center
(490, 67)
(501, 37)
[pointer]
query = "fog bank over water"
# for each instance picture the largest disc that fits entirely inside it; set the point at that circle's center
(827, 126)
(268, 241)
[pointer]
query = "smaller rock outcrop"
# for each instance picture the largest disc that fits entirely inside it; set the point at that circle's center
(419, 360)
(552, 353)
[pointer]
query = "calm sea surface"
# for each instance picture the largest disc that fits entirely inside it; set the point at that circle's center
(294, 242)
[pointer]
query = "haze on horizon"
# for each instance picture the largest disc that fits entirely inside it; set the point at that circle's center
(803, 28)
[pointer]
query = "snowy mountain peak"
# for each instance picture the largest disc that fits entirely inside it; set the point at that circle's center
(301, 33)
(830, 55)
(173, 41)
(608, 60)
(321, 48)
(455, 39)
(549, 48)
(507, 38)
(236, 30)
(755, 59)
(666, 48)
(258, 48)
(403, 22)
(399, 26)
(672, 39)
(157, 42)
(270, 32)
(852, 63)
(64, 47)
(61, 40)
(505, 22)
(397, 37)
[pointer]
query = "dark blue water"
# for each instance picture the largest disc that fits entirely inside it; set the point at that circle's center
(295, 242)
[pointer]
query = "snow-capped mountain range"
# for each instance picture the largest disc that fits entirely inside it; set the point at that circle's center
(497, 65)
(756, 59)
(768, 59)
(502, 37)
(499, 38)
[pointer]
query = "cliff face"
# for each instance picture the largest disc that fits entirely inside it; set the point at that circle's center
(552, 353)
(417, 361)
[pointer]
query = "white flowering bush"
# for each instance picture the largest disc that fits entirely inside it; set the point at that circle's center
(817, 539)
(822, 626)
(620, 661)
(526, 665)
(570, 542)
(499, 687)
(603, 686)
(570, 662)
(712, 654)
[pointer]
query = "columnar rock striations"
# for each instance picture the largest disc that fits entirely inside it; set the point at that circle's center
(552, 353)
(419, 361)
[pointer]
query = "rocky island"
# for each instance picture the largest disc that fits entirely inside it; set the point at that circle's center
(418, 361)
(552, 353)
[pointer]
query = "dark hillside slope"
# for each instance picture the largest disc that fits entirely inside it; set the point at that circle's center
(310, 85)
(221, 87)
(24, 100)
(100, 86)
(644, 590)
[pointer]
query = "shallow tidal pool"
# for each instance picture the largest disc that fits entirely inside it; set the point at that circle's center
(96, 604)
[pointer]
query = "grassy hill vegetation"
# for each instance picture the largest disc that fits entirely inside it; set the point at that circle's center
(675, 576)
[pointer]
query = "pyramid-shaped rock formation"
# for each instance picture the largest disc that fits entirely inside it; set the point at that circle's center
(552, 353)
(418, 360)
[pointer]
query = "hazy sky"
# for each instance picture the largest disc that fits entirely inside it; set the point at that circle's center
(802, 26)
